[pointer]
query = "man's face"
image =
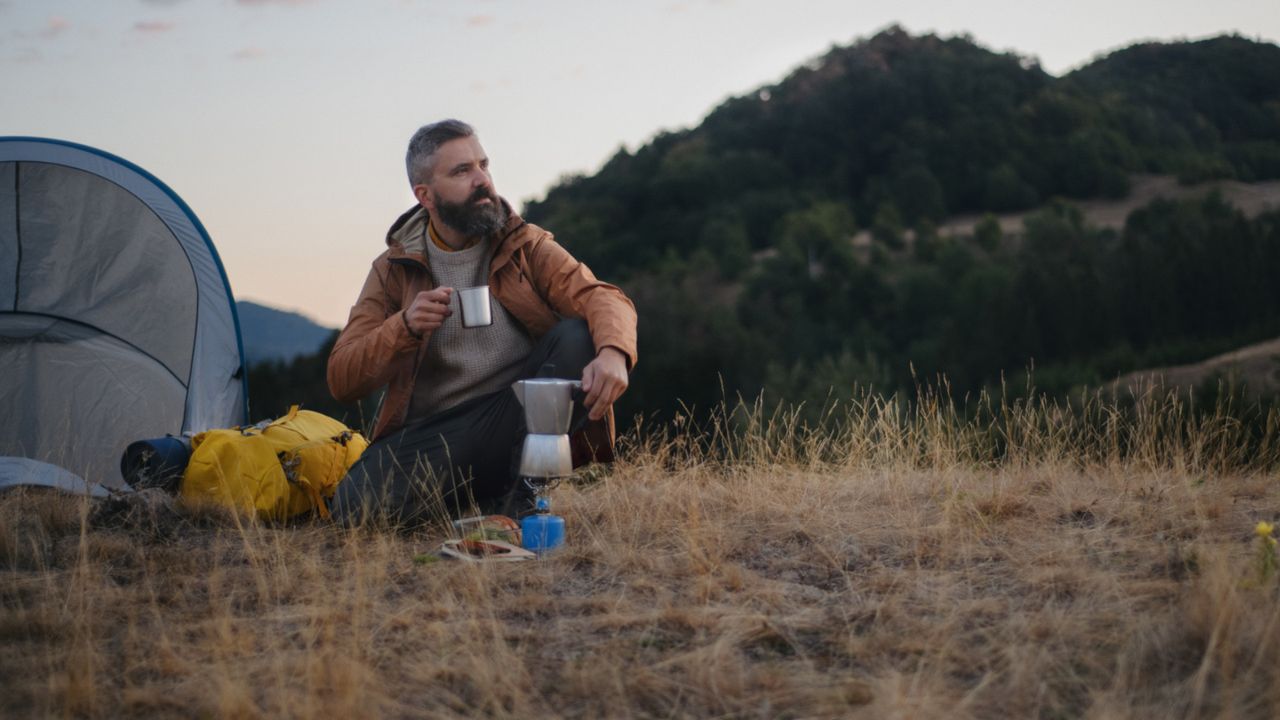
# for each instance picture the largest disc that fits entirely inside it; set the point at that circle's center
(460, 192)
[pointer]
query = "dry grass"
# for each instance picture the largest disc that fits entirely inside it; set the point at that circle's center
(1030, 562)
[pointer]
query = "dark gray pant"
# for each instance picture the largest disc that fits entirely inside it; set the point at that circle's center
(463, 457)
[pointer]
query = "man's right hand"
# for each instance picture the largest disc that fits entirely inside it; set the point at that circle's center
(428, 310)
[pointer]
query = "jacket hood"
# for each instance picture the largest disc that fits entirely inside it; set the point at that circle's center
(408, 234)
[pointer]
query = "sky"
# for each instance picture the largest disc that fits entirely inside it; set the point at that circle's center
(283, 123)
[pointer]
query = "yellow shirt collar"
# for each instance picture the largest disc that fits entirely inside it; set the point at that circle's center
(435, 238)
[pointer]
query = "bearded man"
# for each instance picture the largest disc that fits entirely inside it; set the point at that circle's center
(450, 427)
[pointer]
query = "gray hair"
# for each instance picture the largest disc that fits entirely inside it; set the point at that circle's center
(420, 158)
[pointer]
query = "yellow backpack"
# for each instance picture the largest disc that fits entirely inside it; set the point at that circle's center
(276, 470)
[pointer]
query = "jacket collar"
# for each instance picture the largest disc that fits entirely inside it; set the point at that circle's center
(407, 238)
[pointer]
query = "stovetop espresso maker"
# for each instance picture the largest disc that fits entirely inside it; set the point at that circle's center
(545, 458)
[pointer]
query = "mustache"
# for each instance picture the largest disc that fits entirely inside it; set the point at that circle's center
(482, 193)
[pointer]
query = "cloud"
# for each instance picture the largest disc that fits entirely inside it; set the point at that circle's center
(56, 26)
(152, 27)
(162, 2)
(249, 53)
(476, 21)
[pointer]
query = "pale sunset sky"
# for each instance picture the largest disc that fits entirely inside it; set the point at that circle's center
(283, 123)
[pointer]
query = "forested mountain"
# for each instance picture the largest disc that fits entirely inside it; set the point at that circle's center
(900, 129)
(734, 237)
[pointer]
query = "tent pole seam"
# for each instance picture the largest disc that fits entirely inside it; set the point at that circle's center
(107, 334)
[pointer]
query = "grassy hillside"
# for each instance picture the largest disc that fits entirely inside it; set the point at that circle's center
(1250, 373)
(1032, 562)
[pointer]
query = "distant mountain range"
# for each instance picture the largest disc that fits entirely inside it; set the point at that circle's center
(279, 335)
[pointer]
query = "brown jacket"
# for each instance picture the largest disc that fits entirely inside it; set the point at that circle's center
(534, 278)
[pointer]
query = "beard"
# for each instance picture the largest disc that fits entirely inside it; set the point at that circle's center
(470, 218)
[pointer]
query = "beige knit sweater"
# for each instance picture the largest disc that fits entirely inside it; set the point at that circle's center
(463, 363)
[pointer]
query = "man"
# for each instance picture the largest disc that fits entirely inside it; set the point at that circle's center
(450, 427)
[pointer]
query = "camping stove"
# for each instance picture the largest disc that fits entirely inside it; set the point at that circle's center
(541, 531)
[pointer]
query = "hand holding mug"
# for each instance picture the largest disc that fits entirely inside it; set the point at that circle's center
(428, 310)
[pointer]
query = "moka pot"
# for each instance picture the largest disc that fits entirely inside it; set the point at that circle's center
(548, 404)
(548, 410)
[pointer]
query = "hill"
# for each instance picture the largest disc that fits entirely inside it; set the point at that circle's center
(1252, 372)
(271, 334)
(771, 247)
(907, 129)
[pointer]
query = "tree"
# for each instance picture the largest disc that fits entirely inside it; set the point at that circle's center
(275, 385)
(886, 227)
(987, 233)
(725, 237)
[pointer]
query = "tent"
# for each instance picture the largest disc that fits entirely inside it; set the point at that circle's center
(117, 322)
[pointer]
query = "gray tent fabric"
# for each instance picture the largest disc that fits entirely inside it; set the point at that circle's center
(117, 322)
(43, 474)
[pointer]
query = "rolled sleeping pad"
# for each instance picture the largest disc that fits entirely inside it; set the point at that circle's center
(156, 463)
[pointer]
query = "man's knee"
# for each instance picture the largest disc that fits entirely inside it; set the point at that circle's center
(571, 330)
(572, 346)
(356, 499)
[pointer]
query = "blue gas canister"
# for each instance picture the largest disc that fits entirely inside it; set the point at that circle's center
(542, 531)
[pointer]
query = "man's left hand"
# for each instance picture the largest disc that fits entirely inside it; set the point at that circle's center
(604, 380)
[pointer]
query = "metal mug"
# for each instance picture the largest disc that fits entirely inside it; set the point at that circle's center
(475, 306)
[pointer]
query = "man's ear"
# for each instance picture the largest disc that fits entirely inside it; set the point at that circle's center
(423, 193)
